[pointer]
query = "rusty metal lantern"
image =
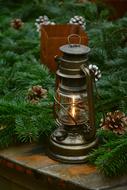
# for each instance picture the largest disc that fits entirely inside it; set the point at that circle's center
(75, 135)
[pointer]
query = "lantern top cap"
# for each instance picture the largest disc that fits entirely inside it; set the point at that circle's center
(75, 49)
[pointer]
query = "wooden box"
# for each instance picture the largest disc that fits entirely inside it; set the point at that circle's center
(54, 36)
(119, 6)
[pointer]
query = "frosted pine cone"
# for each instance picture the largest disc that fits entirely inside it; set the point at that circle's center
(42, 20)
(17, 23)
(79, 20)
(115, 122)
(96, 71)
(35, 93)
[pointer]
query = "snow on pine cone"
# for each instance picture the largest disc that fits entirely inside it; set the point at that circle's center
(43, 20)
(96, 71)
(79, 20)
(115, 121)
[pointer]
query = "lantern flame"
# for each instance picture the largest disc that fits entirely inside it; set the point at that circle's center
(73, 106)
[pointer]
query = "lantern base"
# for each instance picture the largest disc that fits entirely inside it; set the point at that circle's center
(70, 147)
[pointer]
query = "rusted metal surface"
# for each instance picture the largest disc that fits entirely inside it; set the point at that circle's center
(28, 166)
(57, 35)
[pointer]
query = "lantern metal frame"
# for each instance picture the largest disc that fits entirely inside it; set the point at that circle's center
(71, 142)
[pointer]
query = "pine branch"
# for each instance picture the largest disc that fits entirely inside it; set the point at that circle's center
(114, 162)
(7, 136)
(111, 158)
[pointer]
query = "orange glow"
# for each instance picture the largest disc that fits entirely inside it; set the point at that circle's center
(73, 106)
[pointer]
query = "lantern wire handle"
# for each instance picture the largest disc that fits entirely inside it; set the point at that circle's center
(98, 95)
(89, 84)
(72, 35)
(65, 111)
(99, 98)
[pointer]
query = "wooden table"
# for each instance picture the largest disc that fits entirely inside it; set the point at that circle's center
(26, 167)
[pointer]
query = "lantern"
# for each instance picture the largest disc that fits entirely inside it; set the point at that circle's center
(74, 107)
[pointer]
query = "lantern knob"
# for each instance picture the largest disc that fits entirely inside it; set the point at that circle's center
(60, 134)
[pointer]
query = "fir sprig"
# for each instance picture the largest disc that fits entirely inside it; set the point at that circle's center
(111, 158)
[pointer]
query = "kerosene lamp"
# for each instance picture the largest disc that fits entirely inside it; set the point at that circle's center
(75, 135)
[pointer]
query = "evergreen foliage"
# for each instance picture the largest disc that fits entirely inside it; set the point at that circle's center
(111, 157)
(20, 69)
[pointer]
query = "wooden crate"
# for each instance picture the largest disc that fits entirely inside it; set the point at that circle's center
(119, 7)
(54, 36)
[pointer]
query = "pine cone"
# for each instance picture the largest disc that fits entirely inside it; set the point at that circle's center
(96, 71)
(17, 23)
(42, 20)
(36, 93)
(78, 20)
(115, 122)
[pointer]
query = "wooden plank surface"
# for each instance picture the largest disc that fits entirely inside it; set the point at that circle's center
(30, 161)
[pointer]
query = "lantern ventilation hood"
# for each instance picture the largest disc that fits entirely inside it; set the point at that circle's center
(75, 49)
